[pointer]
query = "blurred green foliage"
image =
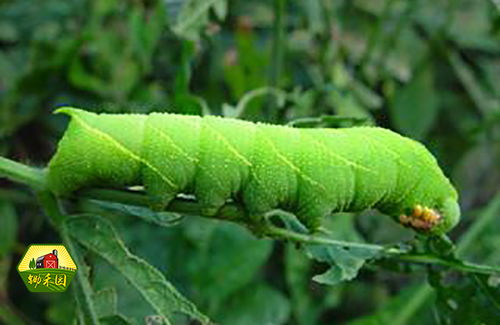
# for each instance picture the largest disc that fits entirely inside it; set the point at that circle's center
(427, 69)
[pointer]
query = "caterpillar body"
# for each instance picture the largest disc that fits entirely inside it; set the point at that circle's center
(310, 172)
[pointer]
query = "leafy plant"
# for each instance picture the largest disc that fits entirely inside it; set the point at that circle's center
(426, 69)
(98, 235)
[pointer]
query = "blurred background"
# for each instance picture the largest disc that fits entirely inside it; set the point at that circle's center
(429, 69)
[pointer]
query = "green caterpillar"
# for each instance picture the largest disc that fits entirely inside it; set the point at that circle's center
(310, 172)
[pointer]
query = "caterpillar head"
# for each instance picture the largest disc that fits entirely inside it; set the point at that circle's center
(431, 206)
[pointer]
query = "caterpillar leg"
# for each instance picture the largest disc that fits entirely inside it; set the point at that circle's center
(210, 202)
(213, 187)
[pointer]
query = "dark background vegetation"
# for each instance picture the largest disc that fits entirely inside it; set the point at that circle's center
(429, 69)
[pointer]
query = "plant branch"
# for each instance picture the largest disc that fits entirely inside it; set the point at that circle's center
(457, 265)
(51, 207)
(233, 212)
(285, 234)
(230, 212)
(399, 254)
(186, 206)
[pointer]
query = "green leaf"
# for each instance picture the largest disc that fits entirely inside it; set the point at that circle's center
(130, 302)
(345, 262)
(229, 259)
(83, 290)
(306, 308)
(98, 235)
(194, 15)
(61, 309)
(415, 106)
(105, 302)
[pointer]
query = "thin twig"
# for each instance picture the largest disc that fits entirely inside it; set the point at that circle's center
(285, 234)
(456, 265)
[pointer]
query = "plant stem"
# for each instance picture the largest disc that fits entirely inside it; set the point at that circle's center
(459, 266)
(51, 207)
(233, 212)
(125, 197)
(21, 173)
(281, 233)
(186, 206)
(280, 97)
